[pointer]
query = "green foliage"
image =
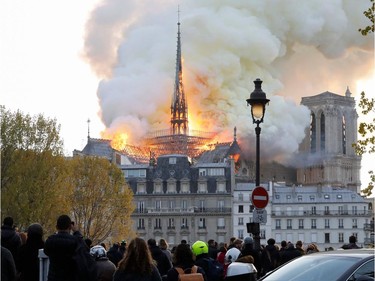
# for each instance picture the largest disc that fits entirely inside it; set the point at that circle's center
(367, 132)
(369, 13)
(101, 200)
(32, 169)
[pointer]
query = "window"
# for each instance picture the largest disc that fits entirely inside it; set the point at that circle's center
(277, 196)
(326, 196)
(141, 188)
(157, 223)
(171, 186)
(158, 205)
(326, 223)
(326, 210)
(341, 210)
(278, 224)
(202, 188)
(202, 223)
(158, 187)
(251, 208)
(300, 223)
(171, 223)
(172, 160)
(341, 237)
(366, 269)
(184, 223)
(326, 238)
(171, 205)
(240, 233)
(141, 207)
(240, 197)
(201, 205)
(339, 196)
(220, 223)
(289, 224)
(185, 188)
(220, 205)
(341, 223)
(355, 223)
(313, 224)
(240, 221)
(312, 197)
(140, 173)
(354, 210)
(288, 197)
(299, 197)
(313, 210)
(240, 208)
(141, 224)
(220, 186)
(202, 172)
(184, 205)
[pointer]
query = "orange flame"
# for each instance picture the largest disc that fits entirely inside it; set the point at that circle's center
(119, 140)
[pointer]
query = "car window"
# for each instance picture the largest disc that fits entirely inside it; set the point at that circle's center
(366, 269)
(312, 268)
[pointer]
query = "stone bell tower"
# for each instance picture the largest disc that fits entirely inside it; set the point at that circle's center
(328, 156)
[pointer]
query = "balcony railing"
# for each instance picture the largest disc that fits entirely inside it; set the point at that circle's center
(181, 210)
(298, 213)
(369, 227)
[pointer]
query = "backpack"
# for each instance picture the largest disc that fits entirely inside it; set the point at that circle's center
(215, 270)
(193, 275)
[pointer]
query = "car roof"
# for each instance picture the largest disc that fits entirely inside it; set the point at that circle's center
(362, 252)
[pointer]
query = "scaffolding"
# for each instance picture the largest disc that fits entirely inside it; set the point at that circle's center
(193, 145)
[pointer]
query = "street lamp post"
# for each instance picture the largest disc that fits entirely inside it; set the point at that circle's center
(257, 101)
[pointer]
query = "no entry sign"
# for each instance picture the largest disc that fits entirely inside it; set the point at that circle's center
(259, 197)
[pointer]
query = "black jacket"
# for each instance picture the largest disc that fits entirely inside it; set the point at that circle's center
(28, 260)
(163, 263)
(10, 240)
(60, 248)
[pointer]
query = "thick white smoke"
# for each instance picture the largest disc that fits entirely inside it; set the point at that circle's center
(298, 48)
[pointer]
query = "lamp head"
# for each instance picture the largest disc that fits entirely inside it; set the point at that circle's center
(258, 101)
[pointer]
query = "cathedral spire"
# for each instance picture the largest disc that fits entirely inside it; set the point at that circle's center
(179, 108)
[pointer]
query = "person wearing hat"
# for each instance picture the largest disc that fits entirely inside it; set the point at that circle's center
(105, 268)
(248, 249)
(28, 261)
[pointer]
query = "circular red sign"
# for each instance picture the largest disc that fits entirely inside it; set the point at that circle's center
(259, 197)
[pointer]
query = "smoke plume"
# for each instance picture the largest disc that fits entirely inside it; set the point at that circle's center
(298, 48)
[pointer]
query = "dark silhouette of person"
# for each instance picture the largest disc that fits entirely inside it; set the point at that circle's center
(28, 260)
(163, 263)
(10, 239)
(352, 243)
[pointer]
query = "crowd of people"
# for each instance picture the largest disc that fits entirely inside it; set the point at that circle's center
(73, 258)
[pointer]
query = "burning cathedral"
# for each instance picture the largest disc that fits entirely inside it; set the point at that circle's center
(183, 181)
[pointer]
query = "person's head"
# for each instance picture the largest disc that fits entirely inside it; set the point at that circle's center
(299, 244)
(137, 257)
(283, 244)
(211, 243)
(123, 244)
(163, 244)
(271, 241)
(248, 240)
(232, 255)
(183, 255)
(199, 248)
(231, 240)
(35, 230)
(183, 241)
(64, 223)
(151, 242)
(8, 221)
(98, 252)
(237, 243)
(352, 239)
(246, 259)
